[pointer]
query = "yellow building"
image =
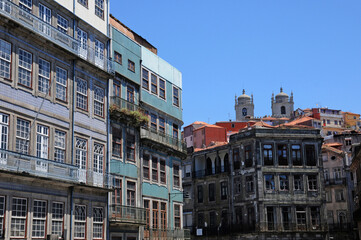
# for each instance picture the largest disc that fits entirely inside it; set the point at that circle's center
(351, 120)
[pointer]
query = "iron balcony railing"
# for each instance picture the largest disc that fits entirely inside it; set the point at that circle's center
(335, 181)
(207, 172)
(163, 138)
(26, 164)
(127, 214)
(46, 30)
(124, 104)
(167, 234)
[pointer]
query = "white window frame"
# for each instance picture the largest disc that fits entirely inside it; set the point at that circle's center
(22, 135)
(153, 84)
(312, 186)
(57, 218)
(99, 8)
(45, 16)
(4, 136)
(5, 59)
(39, 219)
(81, 153)
(59, 146)
(18, 217)
(82, 37)
(162, 89)
(98, 158)
(80, 222)
(2, 215)
(26, 5)
(99, 53)
(98, 222)
(99, 101)
(44, 76)
(155, 169)
(145, 79)
(180, 215)
(177, 176)
(42, 141)
(131, 191)
(82, 94)
(25, 68)
(176, 98)
(62, 24)
(162, 172)
(61, 84)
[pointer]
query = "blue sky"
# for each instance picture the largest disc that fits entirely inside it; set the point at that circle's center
(310, 47)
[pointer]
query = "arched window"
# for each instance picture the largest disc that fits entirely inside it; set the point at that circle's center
(226, 163)
(209, 166)
(283, 110)
(244, 111)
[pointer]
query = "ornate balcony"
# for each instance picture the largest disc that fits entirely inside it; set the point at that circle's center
(44, 29)
(164, 139)
(120, 214)
(164, 234)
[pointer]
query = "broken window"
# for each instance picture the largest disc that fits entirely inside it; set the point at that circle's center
(236, 160)
(296, 155)
(298, 182)
(301, 218)
(267, 155)
(270, 218)
(284, 186)
(286, 218)
(282, 155)
(315, 217)
(310, 155)
(269, 182)
(249, 184)
(312, 182)
(248, 156)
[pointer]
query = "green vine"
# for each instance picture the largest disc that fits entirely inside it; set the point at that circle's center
(135, 118)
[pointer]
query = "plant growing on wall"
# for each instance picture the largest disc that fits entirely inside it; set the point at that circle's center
(135, 118)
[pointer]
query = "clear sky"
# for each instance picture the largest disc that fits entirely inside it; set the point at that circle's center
(310, 47)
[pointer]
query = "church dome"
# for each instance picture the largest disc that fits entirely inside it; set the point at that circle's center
(244, 96)
(281, 94)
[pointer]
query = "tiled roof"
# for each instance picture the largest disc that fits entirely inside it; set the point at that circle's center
(212, 145)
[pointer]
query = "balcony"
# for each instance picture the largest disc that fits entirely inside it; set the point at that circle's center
(208, 172)
(127, 112)
(335, 181)
(39, 167)
(165, 234)
(164, 139)
(44, 29)
(126, 214)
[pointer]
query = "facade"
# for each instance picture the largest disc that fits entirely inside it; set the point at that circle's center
(332, 120)
(356, 170)
(266, 183)
(147, 149)
(244, 107)
(351, 120)
(282, 105)
(53, 109)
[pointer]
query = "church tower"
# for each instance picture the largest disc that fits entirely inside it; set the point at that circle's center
(282, 106)
(244, 107)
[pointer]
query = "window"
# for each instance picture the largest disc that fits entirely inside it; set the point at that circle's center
(2, 214)
(131, 66)
(310, 155)
(117, 142)
(62, 24)
(249, 184)
(42, 141)
(336, 122)
(26, 5)
(224, 190)
(163, 215)
(326, 174)
(116, 89)
(130, 147)
(80, 153)
(39, 219)
(296, 155)
(282, 155)
(61, 84)
(162, 171)
(99, 8)
(312, 182)
(284, 185)
(161, 125)
(177, 216)
(131, 193)
(328, 196)
(82, 94)
(154, 169)
(117, 194)
(212, 219)
(211, 188)
(154, 83)
(99, 53)
(44, 76)
(45, 16)
(98, 223)
(5, 59)
(176, 177)
(18, 217)
(286, 218)
(118, 58)
(25, 67)
(244, 111)
(99, 101)
(337, 173)
(339, 195)
(82, 37)
(270, 218)
(283, 110)
(22, 136)
(155, 214)
(98, 158)
(301, 218)
(236, 159)
(145, 78)
(175, 131)
(348, 142)
(328, 121)
(200, 193)
(161, 88)
(200, 220)
(130, 94)
(147, 214)
(153, 121)
(270, 182)
(83, 2)
(237, 185)
(267, 155)
(57, 218)
(315, 216)
(175, 96)
(4, 131)
(79, 221)
(298, 182)
(248, 156)
(146, 167)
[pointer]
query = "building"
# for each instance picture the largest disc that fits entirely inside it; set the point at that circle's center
(332, 120)
(266, 183)
(351, 120)
(147, 149)
(53, 112)
(244, 107)
(356, 170)
(282, 105)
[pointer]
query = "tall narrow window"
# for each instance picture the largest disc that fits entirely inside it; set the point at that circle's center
(99, 53)
(177, 216)
(5, 59)
(283, 110)
(176, 176)
(315, 217)
(248, 156)
(147, 214)
(145, 79)
(57, 218)
(146, 166)
(161, 124)
(45, 15)
(269, 182)
(26, 5)
(80, 153)
(175, 96)
(162, 173)
(44, 76)
(39, 219)
(22, 136)
(282, 155)
(153, 121)
(337, 173)
(310, 155)
(82, 94)
(224, 190)
(161, 88)
(270, 218)
(163, 215)
(117, 193)
(296, 155)
(154, 169)
(249, 184)
(98, 223)
(42, 141)
(18, 217)
(298, 182)
(117, 142)
(99, 101)
(4, 132)
(61, 84)
(131, 193)
(130, 147)
(284, 184)
(211, 189)
(301, 218)
(154, 81)
(25, 67)
(98, 158)
(62, 24)
(236, 159)
(200, 193)
(131, 65)
(79, 221)
(130, 94)
(268, 155)
(286, 218)
(59, 146)
(237, 183)
(155, 214)
(99, 8)
(83, 40)
(312, 182)
(175, 131)
(2, 214)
